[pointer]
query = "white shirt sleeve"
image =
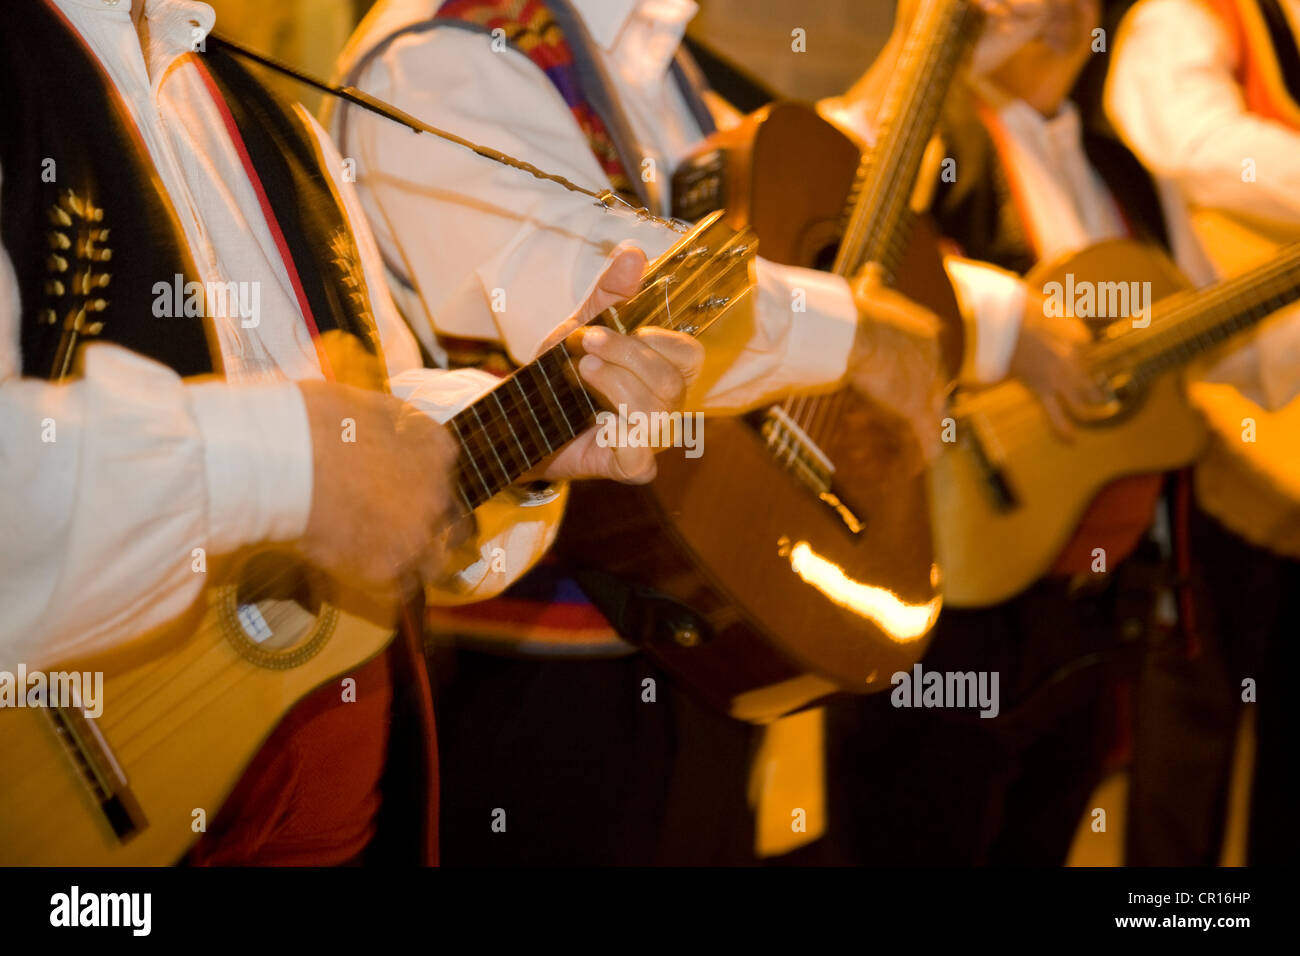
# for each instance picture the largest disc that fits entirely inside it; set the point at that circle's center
(992, 303)
(492, 253)
(112, 481)
(1173, 97)
(109, 484)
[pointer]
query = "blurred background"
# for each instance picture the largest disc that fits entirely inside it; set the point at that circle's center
(841, 37)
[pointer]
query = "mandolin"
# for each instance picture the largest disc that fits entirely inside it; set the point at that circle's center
(1008, 492)
(794, 559)
(184, 709)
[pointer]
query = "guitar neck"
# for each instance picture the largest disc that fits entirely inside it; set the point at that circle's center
(1190, 323)
(541, 407)
(879, 212)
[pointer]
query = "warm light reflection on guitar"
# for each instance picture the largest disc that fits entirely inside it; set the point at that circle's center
(901, 621)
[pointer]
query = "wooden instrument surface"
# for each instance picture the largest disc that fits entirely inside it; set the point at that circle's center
(183, 712)
(1009, 491)
(794, 558)
(186, 708)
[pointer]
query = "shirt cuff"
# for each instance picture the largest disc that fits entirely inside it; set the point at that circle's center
(821, 337)
(992, 303)
(258, 460)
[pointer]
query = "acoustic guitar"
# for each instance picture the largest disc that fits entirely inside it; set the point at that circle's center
(184, 709)
(793, 560)
(1249, 475)
(1008, 492)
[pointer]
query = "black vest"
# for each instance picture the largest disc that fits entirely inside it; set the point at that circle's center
(977, 211)
(89, 228)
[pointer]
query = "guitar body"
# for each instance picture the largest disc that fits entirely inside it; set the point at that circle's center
(184, 711)
(751, 589)
(991, 548)
(712, 549)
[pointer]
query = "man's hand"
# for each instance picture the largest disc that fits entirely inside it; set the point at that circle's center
(648, 371)
(1048, 360)
(383, 513)
(896, 359)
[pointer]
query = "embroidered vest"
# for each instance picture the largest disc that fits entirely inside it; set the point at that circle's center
(90, 230)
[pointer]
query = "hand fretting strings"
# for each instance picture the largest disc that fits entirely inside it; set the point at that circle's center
(1182, 327)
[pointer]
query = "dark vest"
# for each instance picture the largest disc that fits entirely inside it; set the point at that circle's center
(977, 210)
(91, 231)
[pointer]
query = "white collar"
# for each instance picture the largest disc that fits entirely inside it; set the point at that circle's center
(605, 19)
(175, 26)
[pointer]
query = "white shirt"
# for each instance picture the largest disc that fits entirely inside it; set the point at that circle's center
(99, 525)
(1173, 97)
(470, 235)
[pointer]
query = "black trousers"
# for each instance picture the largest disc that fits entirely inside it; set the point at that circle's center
(586, 771)
(930, 787)
(1189, 706)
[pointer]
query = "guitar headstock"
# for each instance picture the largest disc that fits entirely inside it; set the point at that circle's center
(694, 283)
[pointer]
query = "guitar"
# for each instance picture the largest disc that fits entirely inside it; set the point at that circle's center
(1009, 491)
(794, 559)
(1250, 486)
(184, 709)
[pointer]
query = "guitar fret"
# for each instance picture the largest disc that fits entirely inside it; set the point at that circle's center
(492, 445)
(554, 426)
(469, 455)
(523, 455)
(558, 404)
(531, 411)
(577, 379)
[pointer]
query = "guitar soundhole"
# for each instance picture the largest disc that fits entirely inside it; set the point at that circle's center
(277, 614)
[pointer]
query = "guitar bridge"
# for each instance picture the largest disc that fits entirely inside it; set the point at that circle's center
(994, 478)
(98, 769)
(793, 447)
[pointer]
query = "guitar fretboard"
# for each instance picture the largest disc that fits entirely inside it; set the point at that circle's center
(543, 406)
(879, 217)
(523, 420)
(1190, 323)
